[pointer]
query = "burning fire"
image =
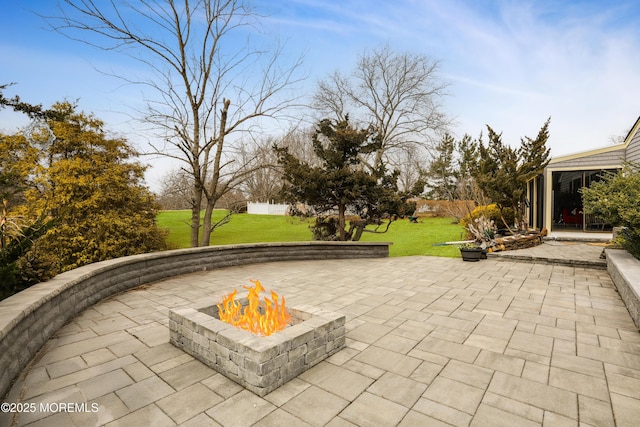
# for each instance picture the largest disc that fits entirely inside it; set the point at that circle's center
(260, 318)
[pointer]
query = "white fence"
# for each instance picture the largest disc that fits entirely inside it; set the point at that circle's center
(267, 208)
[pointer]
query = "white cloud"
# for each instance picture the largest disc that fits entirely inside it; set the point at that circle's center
(512, 64)
(517, 63)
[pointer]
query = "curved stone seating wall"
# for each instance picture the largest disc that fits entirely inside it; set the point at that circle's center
(624, 270)
(29, 318)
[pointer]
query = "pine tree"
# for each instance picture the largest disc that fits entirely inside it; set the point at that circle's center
(340, 182)
(534, 153)
(502, 171)
(442, 180)
(467, 150)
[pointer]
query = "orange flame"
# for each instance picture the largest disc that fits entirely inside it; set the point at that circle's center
(258, 318)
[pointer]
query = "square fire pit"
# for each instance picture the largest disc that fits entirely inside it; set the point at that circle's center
(258, 363)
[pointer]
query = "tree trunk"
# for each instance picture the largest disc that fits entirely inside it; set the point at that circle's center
(212, 194)
(342, 223)
(206, 225)
(358, 232)
(196, 205)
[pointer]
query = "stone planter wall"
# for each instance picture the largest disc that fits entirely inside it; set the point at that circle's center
(624, 270)
(29, 318)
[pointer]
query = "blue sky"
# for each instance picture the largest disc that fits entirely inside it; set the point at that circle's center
(510, 64)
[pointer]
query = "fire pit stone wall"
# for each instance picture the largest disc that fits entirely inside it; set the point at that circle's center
(260, 364)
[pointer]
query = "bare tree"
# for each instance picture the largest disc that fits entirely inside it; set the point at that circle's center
(410, 165)
(208, 86)
(399, 94)
(175, 190)
(265, 181)
(299, 142)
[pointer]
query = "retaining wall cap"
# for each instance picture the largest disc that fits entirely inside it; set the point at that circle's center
(68, 279)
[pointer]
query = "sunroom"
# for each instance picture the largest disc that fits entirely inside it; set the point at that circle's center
(554, 200)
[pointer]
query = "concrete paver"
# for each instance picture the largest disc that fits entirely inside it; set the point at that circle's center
(315, 406)
(361, 411)
(142, 393)
(189, 402)
(340, 381)
(241, 409)
(430, 341)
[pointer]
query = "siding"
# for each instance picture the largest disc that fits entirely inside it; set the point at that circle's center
(633, 149)
(595, 161)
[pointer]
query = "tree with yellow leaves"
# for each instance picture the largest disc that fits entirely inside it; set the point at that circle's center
(88, 187)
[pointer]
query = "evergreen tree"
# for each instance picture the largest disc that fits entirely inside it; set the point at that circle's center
(534, 153)
(89, 186)
(442, 173)
(502, 172)
(467, 150)
(339, 182)
(497, 172)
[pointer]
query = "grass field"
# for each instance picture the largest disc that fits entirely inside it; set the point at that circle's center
(408, 238)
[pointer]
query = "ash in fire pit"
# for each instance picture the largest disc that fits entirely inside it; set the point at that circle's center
(259, 363)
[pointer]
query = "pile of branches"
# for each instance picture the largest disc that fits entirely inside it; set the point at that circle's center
(521, 241)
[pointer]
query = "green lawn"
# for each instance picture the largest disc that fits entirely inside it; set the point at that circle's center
(408, 238)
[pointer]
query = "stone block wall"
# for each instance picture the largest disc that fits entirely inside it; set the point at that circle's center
(624, 270)
(259, 364)
(29, 318)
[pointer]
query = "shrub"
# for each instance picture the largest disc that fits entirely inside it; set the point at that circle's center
(444, 208)
(615, 199)
(16, 273)
(491, 212)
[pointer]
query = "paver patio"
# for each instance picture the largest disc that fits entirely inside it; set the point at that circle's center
(430, 341)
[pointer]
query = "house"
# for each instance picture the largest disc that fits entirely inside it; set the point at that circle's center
(553, 198)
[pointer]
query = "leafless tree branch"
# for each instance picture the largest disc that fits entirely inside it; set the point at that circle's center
(400, 95)
(206, 87)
